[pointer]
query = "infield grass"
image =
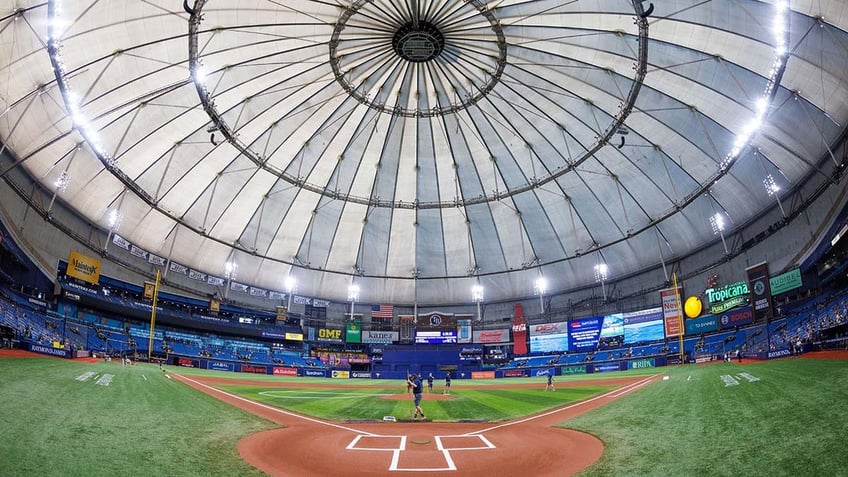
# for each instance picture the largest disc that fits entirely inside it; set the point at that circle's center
(370, 404)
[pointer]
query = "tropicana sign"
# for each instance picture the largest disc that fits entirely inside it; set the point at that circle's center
(727, 297)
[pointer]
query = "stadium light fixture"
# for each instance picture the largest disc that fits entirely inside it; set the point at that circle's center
(540, 287)
(291, 287)
(477, 293)
(601, 275)
(477, 296)
(230, 269)
(352, 296)
(717, 223)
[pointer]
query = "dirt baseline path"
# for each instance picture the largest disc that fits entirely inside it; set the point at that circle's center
(528, 446)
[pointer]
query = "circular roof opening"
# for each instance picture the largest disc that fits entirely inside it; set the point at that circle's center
(418, 42)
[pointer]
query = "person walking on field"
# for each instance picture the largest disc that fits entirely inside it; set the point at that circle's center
(414, 382)
(430, 379)
(447, 382)
(550, 383)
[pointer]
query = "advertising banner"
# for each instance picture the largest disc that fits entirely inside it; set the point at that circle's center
(641, 363)
(384, 337)
(249, 368)
(83, 267)
(758, 284)
(583, 333)
(519, 331)
(314, 373)
(491, 336)
(549, 337)
(353, 330)
(736, 317)
(220, 366)
(672, 312)
(644, 325)
(785, 282)
(543, 372)
(464, 330)
(581, 369)
(294, 336)
(328, 334)
(605, 368)
(37, 348)
(482, 375)
(727, 297)
(187, 363)
(700, 325)
(278, 371)
(514, 373)
(339, 374)
(612, 331)
(360, 374)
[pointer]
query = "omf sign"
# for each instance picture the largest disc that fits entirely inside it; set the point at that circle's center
(727, 297)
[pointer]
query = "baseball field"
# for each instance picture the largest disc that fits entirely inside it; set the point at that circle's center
(783, 417)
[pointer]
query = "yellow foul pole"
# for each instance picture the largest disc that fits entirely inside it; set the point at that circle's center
(153, 315)
(679, 314)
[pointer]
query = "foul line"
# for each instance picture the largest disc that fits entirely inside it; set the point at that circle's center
(276, 409)
(628, 388)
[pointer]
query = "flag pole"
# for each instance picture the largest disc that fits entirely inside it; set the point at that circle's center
(153, 314)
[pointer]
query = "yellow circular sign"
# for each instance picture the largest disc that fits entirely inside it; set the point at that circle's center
(693, 307)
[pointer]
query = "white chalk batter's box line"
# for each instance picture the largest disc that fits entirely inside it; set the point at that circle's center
(440, 446)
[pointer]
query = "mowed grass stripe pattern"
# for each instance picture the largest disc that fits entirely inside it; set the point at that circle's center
(791, 422)
(142, 423)
(368, 404)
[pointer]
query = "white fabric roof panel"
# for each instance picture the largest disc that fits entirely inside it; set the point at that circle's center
(419, 152)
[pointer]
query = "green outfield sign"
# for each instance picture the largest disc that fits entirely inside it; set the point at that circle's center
(573, 370)
(725, 305)
(727, 297)
(786, 281)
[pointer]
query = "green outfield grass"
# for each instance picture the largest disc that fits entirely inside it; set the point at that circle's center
(789, 422)
(140, 424)
(792, 422)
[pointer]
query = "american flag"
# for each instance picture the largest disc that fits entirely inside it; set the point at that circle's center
(382, 311)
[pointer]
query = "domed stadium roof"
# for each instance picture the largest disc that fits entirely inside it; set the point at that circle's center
(420, 146)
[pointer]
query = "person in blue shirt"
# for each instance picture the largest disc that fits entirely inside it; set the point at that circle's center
(414, 382)
(430, 379)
